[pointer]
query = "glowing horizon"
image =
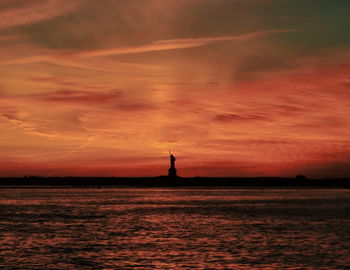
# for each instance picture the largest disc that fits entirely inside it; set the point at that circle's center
(233, 87)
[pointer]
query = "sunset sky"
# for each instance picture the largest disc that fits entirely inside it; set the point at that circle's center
(232, 87)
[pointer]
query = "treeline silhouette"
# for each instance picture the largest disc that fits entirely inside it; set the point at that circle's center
(299, 181)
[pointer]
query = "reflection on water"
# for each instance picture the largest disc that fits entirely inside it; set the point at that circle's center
(174, 229)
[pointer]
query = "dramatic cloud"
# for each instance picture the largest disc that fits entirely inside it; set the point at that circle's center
(231, 87)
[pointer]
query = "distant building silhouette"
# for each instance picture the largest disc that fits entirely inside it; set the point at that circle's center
(172, 169)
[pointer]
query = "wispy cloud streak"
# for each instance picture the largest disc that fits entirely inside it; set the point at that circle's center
(160, 45)
(174, 44)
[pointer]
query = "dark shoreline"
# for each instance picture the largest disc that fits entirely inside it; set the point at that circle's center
(178, 182)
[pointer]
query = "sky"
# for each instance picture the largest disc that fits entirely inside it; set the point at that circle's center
(231, 87)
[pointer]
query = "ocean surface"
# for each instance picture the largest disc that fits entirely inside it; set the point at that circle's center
(120, 228)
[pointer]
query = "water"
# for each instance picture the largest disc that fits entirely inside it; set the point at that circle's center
(174, 229)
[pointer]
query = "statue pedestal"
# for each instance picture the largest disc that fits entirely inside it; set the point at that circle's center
(172, 172)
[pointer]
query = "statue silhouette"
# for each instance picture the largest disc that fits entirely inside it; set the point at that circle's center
(172, 169)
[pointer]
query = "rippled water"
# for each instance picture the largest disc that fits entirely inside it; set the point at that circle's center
(174, 229)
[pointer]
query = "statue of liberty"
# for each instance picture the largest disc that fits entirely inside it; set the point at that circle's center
(172, 169)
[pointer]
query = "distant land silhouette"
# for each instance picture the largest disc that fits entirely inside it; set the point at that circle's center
(179, 181)
(173, 180)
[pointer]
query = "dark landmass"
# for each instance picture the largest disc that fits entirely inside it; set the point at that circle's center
(165, 181)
